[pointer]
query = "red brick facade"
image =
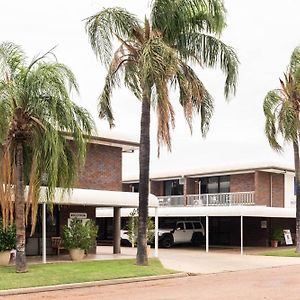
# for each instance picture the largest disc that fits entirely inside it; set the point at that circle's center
(191, 186)
(102, 170)
(242, 183)
(277, 190)
(262, 188)
(157, 188)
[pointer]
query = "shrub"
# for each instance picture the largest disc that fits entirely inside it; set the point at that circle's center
(80, 235)
(7, 237)
(277, 234)
(132, 226)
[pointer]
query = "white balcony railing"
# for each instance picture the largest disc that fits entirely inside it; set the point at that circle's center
(222, 199)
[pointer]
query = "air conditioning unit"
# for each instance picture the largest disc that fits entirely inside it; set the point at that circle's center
(181, 180)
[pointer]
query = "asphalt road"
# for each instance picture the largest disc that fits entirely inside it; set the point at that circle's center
(271, 283)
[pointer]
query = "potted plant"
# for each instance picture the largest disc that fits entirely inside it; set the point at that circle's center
(79, 237)
(7, 243)
(276, 237)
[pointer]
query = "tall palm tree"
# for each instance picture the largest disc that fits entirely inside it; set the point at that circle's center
(281, 109)
(36, 117)
(154, 55)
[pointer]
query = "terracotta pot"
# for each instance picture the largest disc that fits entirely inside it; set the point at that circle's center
(4, 258)
(76, 254)
(274, 243)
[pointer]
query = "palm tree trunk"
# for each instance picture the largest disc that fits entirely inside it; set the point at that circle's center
(144, 160)
(19, 209)
(297, 173)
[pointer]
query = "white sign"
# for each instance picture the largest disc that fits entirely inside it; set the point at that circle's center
(263, 224)
(78, 215)
(288, 237)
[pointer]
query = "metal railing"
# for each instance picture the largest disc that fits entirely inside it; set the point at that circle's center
(221, 199)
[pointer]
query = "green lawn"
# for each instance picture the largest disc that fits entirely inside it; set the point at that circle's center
(60, 273)
(284, 252)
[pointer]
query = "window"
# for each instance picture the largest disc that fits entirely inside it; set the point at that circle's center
(180, 226)
(215, 185)
(173, 187)
(188, 225)
(197, 225)
(135, 187)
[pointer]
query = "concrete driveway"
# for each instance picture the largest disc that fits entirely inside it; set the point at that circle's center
(197, 261)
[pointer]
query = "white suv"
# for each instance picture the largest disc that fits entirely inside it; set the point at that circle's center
(183, 232)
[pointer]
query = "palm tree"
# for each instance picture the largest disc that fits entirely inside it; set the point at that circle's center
(281, 109)
(36, 117)
(154, 55)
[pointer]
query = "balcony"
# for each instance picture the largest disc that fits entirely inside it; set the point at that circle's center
(222, 199)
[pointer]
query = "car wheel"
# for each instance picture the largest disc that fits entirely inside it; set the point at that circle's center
(167, 241)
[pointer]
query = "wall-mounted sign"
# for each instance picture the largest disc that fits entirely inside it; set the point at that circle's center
(78, 215)
(287, 237)
(264, 224)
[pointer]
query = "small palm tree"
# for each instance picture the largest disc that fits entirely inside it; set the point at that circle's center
(281, 109)
(36, 117)
(154, 55)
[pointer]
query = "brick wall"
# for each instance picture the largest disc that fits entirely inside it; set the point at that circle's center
(242, 183)
(126, 187)
(262, 188)
(278, 190)
(102, 170)
(191, 186)
(157, 188)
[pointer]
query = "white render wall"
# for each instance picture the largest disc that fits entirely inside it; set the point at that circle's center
(289, 197)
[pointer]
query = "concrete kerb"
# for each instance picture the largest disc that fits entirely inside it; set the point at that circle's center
(40, 289)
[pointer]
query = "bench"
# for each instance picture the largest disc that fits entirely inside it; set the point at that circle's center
(57, 244)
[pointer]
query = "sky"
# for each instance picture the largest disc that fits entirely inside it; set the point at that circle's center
(263, 34)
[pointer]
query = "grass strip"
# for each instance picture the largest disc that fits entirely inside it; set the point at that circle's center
(284, 253)
(76, 272)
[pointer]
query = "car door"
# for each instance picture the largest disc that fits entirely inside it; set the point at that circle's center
(189, 230)
(179, 233)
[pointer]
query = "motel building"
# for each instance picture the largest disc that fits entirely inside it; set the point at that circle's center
(99, 185)
(237, 205)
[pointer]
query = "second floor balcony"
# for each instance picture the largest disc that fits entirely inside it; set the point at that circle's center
(221, 199)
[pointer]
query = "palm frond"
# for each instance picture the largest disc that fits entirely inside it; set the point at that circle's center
(104, 26)
(211, 52)
(177, 20)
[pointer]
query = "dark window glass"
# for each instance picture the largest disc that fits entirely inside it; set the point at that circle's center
(197, 225)
(135, 187)
(188, 226)
(224, 184)
(215, 185)
(180, 226)
(173, 187)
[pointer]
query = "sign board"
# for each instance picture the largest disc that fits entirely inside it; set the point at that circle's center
(287, 237)
(77, 215)
(263, 224)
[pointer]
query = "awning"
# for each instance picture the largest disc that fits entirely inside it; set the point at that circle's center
(100, 198)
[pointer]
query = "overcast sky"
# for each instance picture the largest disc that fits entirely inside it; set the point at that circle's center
(263, 33)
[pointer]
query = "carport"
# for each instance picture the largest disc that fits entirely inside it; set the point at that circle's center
(226, 211)
(100, 198)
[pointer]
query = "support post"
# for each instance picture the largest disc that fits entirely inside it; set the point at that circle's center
(156, 233)
(44, 233)
(242, 238)
(206, 234)
(117, 230)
